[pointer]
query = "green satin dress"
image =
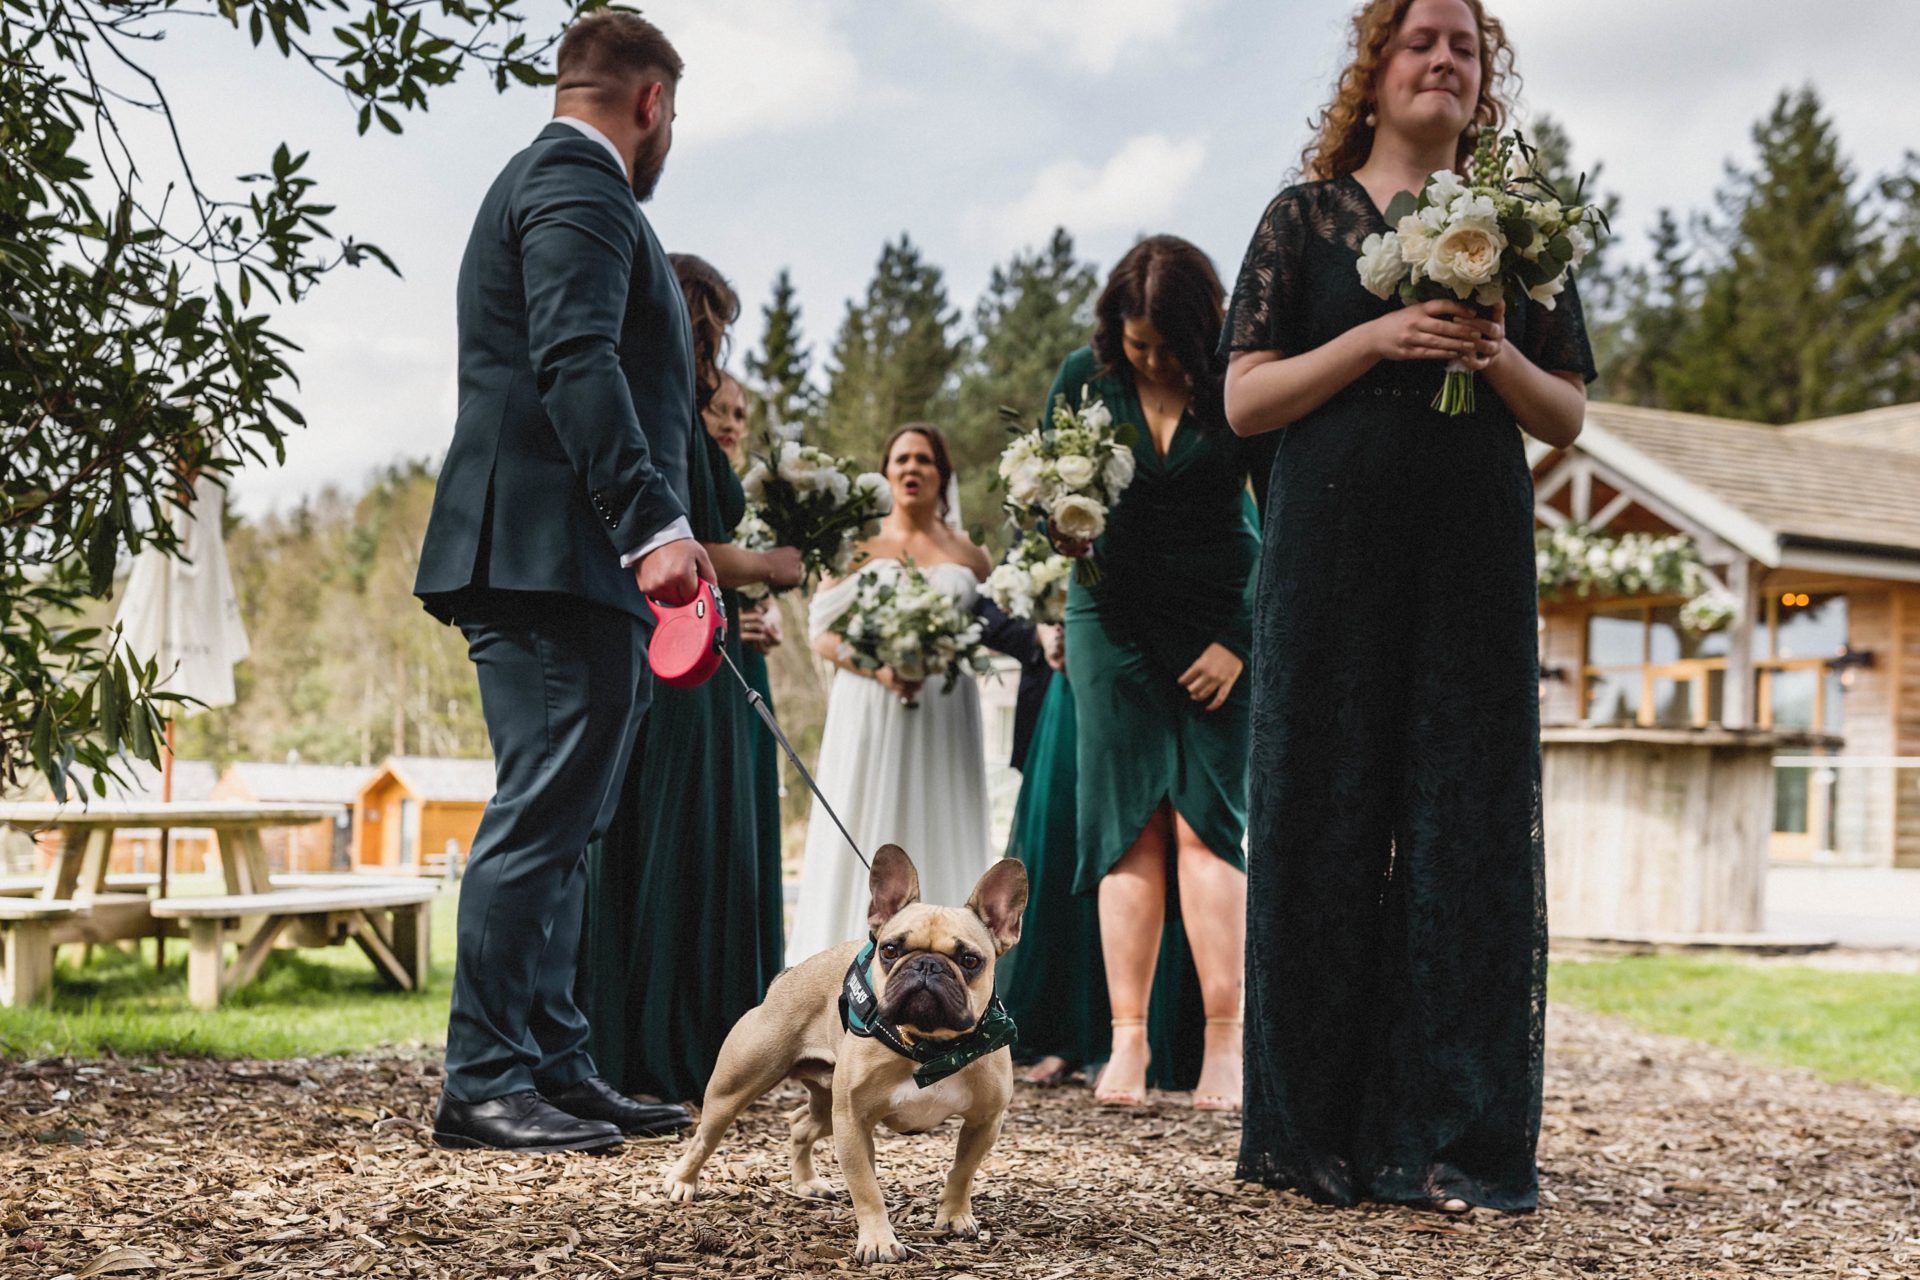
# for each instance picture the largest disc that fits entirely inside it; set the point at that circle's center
(1054, 982)
(1177, 568)
(682, 932)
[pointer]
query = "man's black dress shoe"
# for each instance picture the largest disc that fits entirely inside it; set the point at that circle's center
(595, 1099)
(521, 1121)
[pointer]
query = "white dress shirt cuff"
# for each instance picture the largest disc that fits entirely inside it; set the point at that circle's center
(672, 533)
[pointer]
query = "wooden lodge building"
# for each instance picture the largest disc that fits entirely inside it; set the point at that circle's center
(1813, 530)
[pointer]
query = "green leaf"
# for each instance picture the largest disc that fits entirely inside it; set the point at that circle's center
(1402, 204)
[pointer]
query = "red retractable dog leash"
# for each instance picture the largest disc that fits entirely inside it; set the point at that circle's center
(689, 644)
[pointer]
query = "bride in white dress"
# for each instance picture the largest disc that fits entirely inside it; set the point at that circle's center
(912, 776)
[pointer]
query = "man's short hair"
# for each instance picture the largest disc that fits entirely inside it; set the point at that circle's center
(615, 42)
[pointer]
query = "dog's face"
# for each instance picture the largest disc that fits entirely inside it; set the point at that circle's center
(933, 965)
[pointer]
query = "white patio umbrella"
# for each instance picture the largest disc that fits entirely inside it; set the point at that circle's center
(181, 612)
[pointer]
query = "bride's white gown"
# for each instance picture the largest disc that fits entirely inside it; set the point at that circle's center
(911, 776)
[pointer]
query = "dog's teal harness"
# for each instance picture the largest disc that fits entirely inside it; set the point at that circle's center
(938, 1059)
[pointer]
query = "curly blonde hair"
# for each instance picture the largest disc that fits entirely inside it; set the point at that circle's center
(1344, 137)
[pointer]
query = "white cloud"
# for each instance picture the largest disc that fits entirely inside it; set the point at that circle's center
(754, 67)
(1090, 35)
(1142, 185)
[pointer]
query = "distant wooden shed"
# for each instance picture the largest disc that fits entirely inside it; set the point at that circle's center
(419, 813)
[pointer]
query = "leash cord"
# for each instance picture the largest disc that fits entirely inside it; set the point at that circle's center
(759, 704)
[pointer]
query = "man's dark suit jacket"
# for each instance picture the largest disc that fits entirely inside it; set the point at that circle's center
(576, 409)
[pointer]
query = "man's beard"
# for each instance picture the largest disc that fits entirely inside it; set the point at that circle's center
(646, 175)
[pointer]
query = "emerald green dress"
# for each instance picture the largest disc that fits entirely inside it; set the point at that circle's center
(681, 892)
(1054, 983)
(1177, 568)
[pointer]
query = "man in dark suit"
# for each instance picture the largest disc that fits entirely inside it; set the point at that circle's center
(560, 507)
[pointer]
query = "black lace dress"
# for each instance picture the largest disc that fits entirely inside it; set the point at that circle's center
(1396, 932)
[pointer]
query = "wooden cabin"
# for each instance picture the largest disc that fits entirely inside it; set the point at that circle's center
(417, 814)
(1813, 531)
(319, 846)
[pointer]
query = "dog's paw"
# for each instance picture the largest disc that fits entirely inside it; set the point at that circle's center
(818, 1189)
(879, 1246)
(962, 1224)
(682, 1190)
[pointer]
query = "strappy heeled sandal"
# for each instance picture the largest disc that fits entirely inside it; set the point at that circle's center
(1217, 1101)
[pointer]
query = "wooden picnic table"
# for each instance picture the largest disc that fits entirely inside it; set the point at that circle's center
(78, 902)
(79, 870)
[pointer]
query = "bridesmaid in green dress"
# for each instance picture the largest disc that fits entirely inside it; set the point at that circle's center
(1157, 648)
(675, 946)
(760, 633)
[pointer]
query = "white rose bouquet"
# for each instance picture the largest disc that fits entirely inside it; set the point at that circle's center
(901, 620)
(1065, 475)
(1501, 234)
(804, 497)
(1031, 583)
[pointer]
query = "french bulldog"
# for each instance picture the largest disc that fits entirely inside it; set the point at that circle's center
(928, 990)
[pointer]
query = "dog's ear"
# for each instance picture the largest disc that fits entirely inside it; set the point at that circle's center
(894, 886)
(1000, 899)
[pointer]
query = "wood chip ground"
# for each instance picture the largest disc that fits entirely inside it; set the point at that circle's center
(1659, 1159)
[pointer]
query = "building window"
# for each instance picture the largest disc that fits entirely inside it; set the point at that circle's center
(1644, 668)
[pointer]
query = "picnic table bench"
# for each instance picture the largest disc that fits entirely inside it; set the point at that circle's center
(26, 946)
(388, 919)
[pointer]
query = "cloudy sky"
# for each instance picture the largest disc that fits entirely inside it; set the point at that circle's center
(811, 131)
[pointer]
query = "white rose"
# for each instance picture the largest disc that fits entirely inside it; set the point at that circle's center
(1416, 246)
(1466, 255)
(835, 483)
(1381, 265)
(1009, 587)
(1078, 518)
(1544, 294)
(1118, 472)
(1025, 484)
(1015, 454)
(872, 486)
(797, 466)
(755, 481)
(1076, 470)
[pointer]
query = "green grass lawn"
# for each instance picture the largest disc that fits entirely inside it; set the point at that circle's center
(1844, 1026)
(313, 1001)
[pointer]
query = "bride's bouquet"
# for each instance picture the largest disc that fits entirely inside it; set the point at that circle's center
(901, 620)
(1064, 476)
(1503, 233)
(1031, 583)
(800, 496)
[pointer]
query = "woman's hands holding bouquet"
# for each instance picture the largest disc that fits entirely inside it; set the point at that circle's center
(1442, 330)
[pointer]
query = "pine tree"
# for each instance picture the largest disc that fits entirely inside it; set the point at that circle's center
(1036, 309)
(1659, 307)
(893, 357)
(1891, 351)
(1782, 312)
(781, 389)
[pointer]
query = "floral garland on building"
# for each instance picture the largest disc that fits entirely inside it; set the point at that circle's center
(1575, 560)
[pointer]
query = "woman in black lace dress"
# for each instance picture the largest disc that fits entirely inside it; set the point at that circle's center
(1396, 945)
